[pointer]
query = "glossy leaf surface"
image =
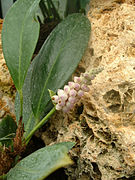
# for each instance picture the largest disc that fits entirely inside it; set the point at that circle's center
(58, 59)
(41, 163)
(7, 130)
(19, 37)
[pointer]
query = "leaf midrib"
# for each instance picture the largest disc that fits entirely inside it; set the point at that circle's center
(20, 47)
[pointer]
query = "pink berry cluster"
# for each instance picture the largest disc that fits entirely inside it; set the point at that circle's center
(66, 98)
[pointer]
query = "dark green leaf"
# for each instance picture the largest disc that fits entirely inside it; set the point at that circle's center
(84, 6)
(7, 130)
(19, 36)
(61, 7)
(28, 117)
(58, 58)
(53, 8)
(73, 6)
(84, 3)
(66, 7)
(41, 163)
(5, 5)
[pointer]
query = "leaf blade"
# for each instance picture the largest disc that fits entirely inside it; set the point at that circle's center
(41, 163)
(58, 58)
(19, 37)
(27, 117)
(7, 130)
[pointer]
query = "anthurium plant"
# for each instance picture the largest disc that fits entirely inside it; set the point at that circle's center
(39, 86)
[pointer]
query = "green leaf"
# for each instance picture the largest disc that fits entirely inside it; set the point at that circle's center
(50, 9)
(58, 59)
(66, 7)
(41, 163)
(19, 37)
(84, 6)
(7, 130)
(61, 7)
(28, 117)
(73, 6)
(84, 3)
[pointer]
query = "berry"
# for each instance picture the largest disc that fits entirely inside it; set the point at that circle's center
(55, 99)
(73, 92)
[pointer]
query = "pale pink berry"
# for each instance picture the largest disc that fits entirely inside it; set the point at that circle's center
(55, 99)
(87, 76)
(63, 96)
(85, 88)
(72, 99)
(80, 93)
(58, 107)
(61, 102)
(77, 79)
(77, 86)
(67, 89)
(69, 105)
(72, 92)
(71, 84)
(84, 81)
(65, 109)
(60, 92)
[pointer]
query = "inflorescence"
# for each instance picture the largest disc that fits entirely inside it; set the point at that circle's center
(66, 98)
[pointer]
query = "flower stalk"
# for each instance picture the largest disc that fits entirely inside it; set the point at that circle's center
(40, 124)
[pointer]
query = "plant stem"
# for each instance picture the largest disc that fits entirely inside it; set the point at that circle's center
(21, 102)
(41, 123)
